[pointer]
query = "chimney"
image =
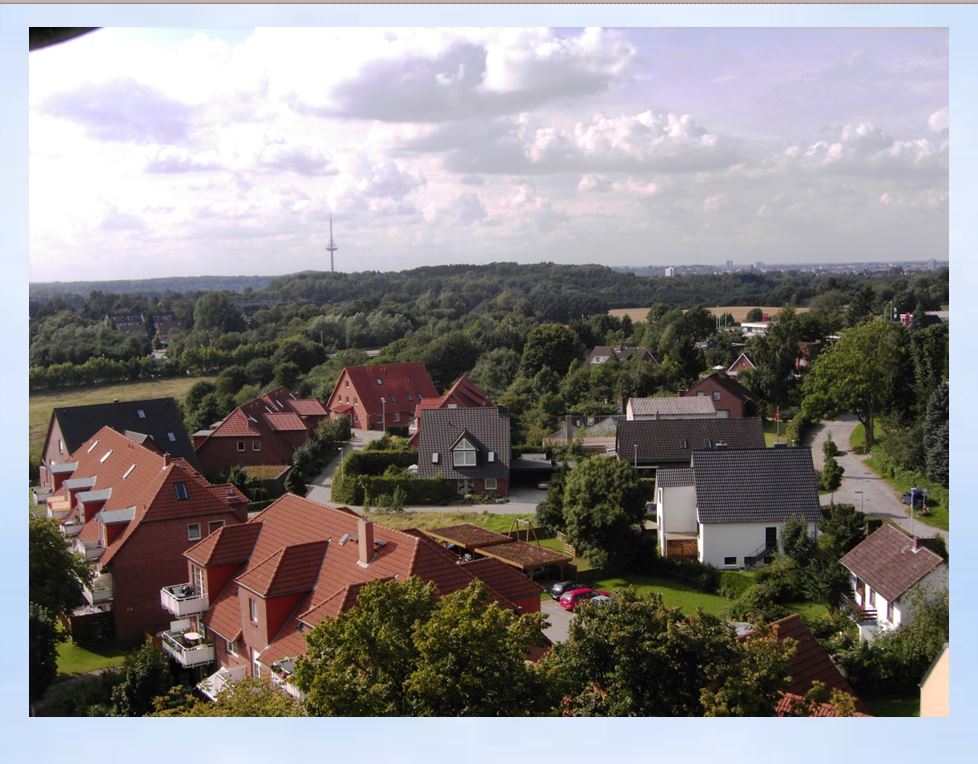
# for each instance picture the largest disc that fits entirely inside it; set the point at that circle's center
(166, 460)
(916, 544)
(365, 539)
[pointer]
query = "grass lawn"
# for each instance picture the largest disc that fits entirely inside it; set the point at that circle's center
(430, 520)
(42, 404)
(937, 495)
(674, 594)
(888, 706)
(74, 659)
(771, 435)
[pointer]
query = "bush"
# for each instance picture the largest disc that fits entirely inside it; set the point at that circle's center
(705, 578)
(830, 477)
(758, 603)
(829, 448)
(733, 584)
(798, 426)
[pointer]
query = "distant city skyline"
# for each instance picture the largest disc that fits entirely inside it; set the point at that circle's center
(160, 153)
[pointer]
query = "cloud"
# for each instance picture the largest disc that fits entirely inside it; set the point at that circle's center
(123, 110)
(118, 221)
(170, 159)
(938, 122)
(715, 202)
(592, 182)
(302, 160)
(475, 73)
(533, 210)
(463, 211)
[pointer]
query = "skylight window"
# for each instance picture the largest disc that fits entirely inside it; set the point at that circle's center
(380, 381)
(181, 491)
(171, 437)
(92, 447)
(128, 472)
(107, 455)
(140, 413)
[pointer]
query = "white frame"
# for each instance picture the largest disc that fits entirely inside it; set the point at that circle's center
(190, 536)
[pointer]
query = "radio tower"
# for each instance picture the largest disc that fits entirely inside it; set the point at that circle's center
(331, 247)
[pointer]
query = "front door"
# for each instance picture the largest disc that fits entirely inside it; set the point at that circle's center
(771, 538)
(465, 486)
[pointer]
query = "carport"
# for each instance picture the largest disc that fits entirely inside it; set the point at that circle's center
(526, 557)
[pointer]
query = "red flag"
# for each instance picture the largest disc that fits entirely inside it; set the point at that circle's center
(777, 415)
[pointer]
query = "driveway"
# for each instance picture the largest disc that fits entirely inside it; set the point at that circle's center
(320, 489)
(862, 487)
(559, 620)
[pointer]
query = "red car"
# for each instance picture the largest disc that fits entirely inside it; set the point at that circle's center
(569, 600)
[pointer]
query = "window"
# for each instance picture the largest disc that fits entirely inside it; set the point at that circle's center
(354, 399)
(490, 484)
(346, 383)
(214, 525)
(393, 398)
(684, 444)
(872, 597)
(193, 532)
(107, 455)
(128, 472)
(181, 491)
(140, 413)
(716, 396)
(463, 455)
(889, 612)
(409, 396)
(380, 381)
(256, 445)
(232, 648)
(492, 456)
(61, 446)
(434, 458)
(397, 416)
(729, 560)
(171, 437)
(253, 610)
(90, 448)
(241, 445)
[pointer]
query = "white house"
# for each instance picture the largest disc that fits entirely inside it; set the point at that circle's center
(888, 569)
(754, 328)
(738, 505)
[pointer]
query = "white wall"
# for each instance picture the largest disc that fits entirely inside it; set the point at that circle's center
(720, 540)
(933, 582)
(676, 512)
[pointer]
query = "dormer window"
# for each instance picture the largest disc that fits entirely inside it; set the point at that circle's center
(463, 455)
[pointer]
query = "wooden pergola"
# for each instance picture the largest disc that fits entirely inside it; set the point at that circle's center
(522, 555)
(468, 536)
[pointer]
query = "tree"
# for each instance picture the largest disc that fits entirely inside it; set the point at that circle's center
(43, 638)
(56, 574)
(495, 370)
(448, 357)
(857, 374)
(217, 311)
(248, 697)
(831, 476)
(633, 656)
(754, 314)
(604, 502)
(842, 527)
(146, 674)
(795, 540)
(551, 345)
(774, 355)
(472, 659)
(937, 433)
(829, 448)
(861, 306)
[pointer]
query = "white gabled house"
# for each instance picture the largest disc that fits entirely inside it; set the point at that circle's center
(888, 569)
(734, 503)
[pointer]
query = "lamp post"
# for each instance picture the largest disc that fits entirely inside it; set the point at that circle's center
(636, 455)
(340, 449)
(383, 413)
(860, 500)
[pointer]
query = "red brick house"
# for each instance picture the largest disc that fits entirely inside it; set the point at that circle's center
(468, 448)
(263, 432)
(155, 422)
(743, 363)
(727, 394)
(134, 512)
(255, 590)
(380, 396)
(464, 394)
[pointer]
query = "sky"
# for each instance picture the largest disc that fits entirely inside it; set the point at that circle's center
(181, 152)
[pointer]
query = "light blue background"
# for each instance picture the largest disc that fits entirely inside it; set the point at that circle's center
(541, 740)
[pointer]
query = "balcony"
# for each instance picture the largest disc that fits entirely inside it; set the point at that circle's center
(182, 600)
(188, 648)
(100, 592)
(860, 615)
(220, 680)
(71, 528)
(283, 677)
(59, 507)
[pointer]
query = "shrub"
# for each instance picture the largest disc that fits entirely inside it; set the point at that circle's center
(829, 448)
(733, 584)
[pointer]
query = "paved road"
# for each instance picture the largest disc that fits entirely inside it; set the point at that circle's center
(321, 487)
(559, 620)
(877, 499)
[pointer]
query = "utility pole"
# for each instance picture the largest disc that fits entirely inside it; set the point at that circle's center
(331, 247)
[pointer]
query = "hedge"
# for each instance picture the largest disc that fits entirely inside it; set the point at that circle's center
(416, 490)
(375, 462)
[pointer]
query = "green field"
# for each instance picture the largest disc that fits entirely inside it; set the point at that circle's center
(74, 659)
(42, 404)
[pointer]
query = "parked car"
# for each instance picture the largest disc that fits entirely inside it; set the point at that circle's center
(601, 599)
(543, 486)
(564, 586)
(573, 598)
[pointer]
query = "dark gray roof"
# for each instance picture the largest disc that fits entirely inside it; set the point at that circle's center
(758, 485)
(672, 441)
(674, 478)
(487, 429)
(102, 494)
(161, 416)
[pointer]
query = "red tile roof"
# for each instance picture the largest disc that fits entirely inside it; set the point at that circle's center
(232, 544)
(810, 663)
(302, 545)
(285, 421)
(397, 382)
(504, 579)
(888, 561)
(789, 699)
(308, 407)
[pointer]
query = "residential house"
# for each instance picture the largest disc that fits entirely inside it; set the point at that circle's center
(262, 432)
(249, 594)
(464, 394)
(469, 448)
(127, 321)
(890, 569)
(809, 664)
(164, 323)
(675, 407)
(743, 363)
(601, 353)
(935, 687)
(728, 395)
(133, 512)
(739, 502)
(754, 328)
(651, 443)
(381, 396)
(155, 422)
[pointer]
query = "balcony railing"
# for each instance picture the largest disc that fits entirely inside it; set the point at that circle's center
(189, 653)
(59, 508)
(861, 615)
(182, 600)
(72, 528)
(221, 679)
(100, 592)
(283, 677)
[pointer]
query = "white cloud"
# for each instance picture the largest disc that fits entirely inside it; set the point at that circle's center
(939, 121)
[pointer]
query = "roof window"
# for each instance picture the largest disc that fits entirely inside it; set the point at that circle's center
(181, 491)
(92, 447)
(684, 443)
(171, 437)
(140, 413)
(128, 472)
(380, 381)
(107, 455)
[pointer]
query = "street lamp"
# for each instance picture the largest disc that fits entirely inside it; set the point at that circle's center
(636, 455)
(340, 449)
(860, 500)
(383, 413)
